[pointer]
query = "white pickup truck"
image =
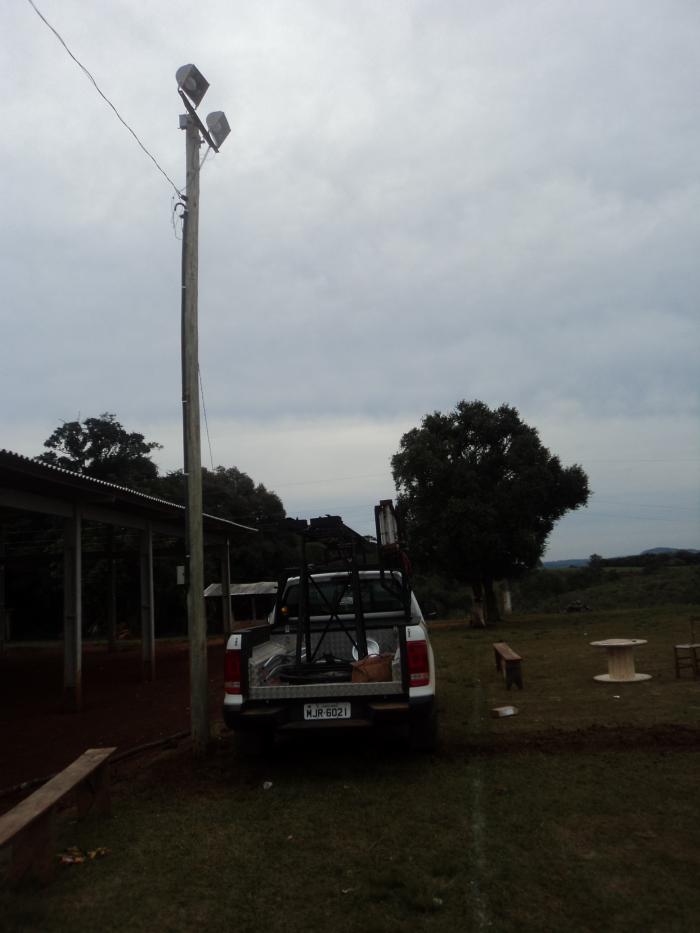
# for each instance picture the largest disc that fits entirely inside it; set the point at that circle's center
(334, 674)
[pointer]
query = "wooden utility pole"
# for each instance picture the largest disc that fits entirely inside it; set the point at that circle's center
(192, 86)
(194, 541)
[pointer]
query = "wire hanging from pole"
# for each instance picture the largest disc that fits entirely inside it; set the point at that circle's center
(104, 96)
(206, 420)
(199, 169)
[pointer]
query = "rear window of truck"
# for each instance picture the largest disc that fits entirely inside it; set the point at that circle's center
(338, 595)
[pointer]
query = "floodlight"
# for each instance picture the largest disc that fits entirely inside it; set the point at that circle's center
(387, 527)
(192, 82)
(218, 127)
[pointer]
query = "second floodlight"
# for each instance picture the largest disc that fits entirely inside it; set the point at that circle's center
(191, 82)
(218, 127)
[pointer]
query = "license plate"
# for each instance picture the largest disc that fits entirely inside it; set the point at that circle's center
(326, 711)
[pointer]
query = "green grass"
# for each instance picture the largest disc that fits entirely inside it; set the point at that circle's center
(579, 813)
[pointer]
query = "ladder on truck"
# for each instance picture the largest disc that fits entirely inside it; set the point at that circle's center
(346, 552)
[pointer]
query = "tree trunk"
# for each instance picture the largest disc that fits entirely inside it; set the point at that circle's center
(506, 601)
(492, 610)
(477, 618)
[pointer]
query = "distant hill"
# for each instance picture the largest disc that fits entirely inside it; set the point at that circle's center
(563, 564)
(583, 561)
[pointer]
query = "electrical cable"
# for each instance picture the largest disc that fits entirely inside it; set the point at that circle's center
(204, 158)
(206, 420)
(638, 505)
(182, 200)
(332, 479)
(637, 460)
(178, 191)
(104, 97)
(329, 479)
(174, 205)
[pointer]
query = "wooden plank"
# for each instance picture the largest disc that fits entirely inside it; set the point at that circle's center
(32, 852)
(51, 793)
(93, 793)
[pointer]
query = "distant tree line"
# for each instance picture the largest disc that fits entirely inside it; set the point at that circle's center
(642, 579)
(477, 490)
(652, 561)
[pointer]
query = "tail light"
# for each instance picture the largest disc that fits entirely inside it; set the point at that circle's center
(232, 671)
(418, 666)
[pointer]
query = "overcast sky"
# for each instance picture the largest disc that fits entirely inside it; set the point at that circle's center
(419, 202)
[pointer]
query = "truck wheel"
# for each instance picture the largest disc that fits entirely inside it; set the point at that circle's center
(422, 732)
(256, 743)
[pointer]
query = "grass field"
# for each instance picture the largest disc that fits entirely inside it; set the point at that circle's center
(577, 814)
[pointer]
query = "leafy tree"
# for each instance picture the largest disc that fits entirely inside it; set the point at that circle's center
(103, 448)
(480, 494)
(595, 567)
(229, 493)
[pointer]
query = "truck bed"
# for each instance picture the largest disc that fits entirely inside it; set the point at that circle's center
(265, 685)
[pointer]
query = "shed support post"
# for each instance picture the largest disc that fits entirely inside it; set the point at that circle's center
(3, 603)
(72, 612)
(148, 641)
(112, 596)
(226, 589)
(112, 607)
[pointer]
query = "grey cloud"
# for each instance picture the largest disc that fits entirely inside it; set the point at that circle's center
(418, 203)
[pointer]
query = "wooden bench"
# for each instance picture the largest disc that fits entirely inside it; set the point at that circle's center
(29, 826)
(508, 663)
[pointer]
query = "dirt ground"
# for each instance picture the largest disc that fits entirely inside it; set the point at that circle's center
(38, 738)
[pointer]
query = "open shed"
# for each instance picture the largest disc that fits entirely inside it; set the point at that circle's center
(31, 486)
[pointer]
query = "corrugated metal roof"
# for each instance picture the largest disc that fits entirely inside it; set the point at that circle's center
(263, 588)
(18, 462)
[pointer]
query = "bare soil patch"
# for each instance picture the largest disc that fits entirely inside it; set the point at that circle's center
(38, 737)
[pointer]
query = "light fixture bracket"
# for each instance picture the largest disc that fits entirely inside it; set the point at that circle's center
(198, 123)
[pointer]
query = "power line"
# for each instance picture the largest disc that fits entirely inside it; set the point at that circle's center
(174, 216)
(104, 97)
(329, 479)
(199, 169)
(647, 505)
(632, 517)
(588, 460)
(180, 202)
(206, 420)
(332, 479)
